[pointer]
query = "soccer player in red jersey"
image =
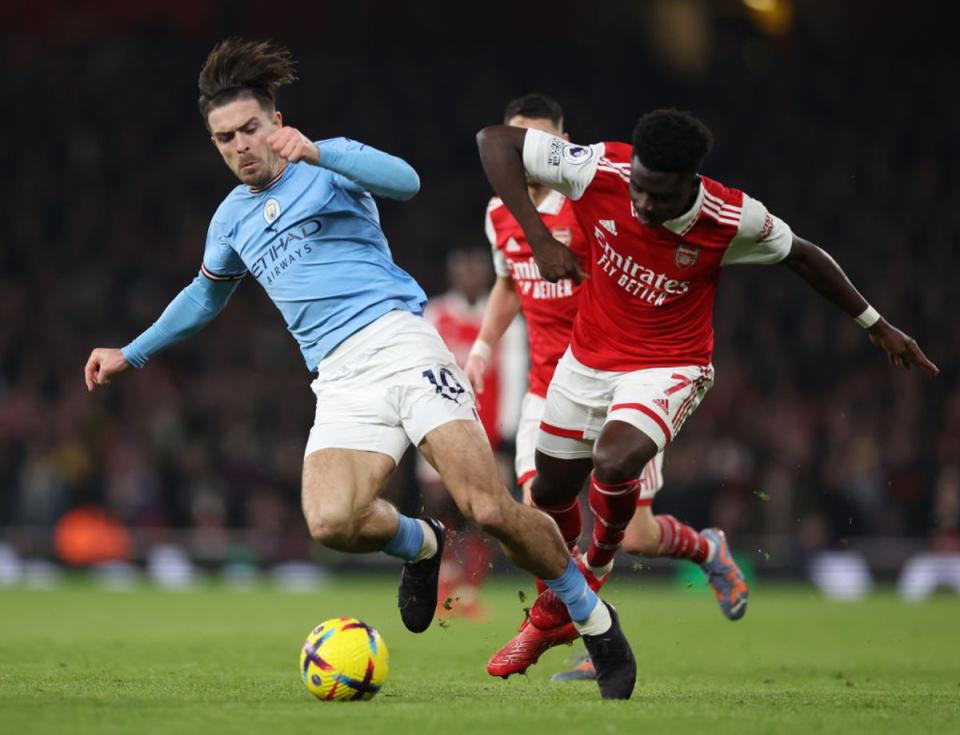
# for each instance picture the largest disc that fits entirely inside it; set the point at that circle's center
(548, 307)
(549, 310)
(639, 361)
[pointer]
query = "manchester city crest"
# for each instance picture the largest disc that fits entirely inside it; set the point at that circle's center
(271, 210)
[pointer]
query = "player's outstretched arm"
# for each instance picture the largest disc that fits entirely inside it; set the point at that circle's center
(501, 153)
(822, 272)
(192, 309)
(502, 307)
(366, 167)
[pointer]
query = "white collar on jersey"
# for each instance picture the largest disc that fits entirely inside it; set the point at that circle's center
(681, 225)
(552, 203)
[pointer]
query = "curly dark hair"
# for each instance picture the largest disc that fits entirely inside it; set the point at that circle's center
(671, 140)
(237, 67)
(537, 106)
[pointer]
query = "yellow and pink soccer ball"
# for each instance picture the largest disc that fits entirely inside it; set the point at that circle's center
(344, 659)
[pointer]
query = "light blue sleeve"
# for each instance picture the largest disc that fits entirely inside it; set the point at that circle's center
(363, 168)
(191, 310)
(196, 305)
(220, 260)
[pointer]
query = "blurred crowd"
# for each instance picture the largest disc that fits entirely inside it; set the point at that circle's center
(807, 435)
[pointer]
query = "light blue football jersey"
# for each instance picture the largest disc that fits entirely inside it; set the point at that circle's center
(313, 241)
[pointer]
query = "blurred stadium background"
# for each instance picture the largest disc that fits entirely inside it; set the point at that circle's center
(812, 452)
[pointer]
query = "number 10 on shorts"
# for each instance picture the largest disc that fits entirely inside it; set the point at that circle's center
(446, 384)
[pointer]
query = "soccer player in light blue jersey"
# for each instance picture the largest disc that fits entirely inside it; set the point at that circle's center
(304, 224)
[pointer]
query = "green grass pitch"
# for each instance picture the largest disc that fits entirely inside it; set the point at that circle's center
(77, 659)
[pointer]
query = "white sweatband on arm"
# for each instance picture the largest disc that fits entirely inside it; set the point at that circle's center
(869, 317)
(482, 349)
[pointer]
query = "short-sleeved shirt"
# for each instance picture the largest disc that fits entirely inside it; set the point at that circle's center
(649, 301)
(549, 308)
(312, 239)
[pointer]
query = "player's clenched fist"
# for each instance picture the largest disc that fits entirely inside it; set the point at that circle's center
(555, 261)
(292, 145)
(102, 365)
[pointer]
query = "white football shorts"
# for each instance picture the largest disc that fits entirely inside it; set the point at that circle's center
(528, 429)
(581, 400)
(386, 387)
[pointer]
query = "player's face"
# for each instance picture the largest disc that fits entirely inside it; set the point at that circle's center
(239, 130)
(659, 196)
(538, 123)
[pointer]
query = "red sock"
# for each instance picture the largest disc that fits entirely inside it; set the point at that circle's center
(567, 518)
(679, 541)
(613, 506)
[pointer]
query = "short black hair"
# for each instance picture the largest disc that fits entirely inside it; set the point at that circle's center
(237, 68)
(537, 106)
(671, 140)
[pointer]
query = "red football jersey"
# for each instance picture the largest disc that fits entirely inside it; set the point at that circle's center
(549, 308)
(649, 301)
(458, 323)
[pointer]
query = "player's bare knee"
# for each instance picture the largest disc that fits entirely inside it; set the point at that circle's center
(333, 530)
(614, 465)
(551, 492)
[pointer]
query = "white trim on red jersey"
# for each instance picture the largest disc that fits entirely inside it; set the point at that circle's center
(552, 203)
(709, 205)
(762, 238)
(500, 265)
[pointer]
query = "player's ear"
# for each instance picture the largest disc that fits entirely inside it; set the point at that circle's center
(278, 118)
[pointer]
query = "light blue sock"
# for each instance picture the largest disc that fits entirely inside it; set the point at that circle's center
(571, 587)
(407, 541)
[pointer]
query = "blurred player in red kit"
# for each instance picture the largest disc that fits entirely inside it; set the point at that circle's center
(456, 315)
(640, 358)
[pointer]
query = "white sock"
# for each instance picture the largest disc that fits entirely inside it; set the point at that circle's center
(598, 572)
(429, 546)
(711, 551)
(599, 621)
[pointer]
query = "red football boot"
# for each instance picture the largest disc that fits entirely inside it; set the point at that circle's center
(526, 647)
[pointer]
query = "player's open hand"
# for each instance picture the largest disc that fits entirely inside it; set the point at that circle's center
(475, 368)
(102, 365)
(292, 145)
(902, 349)
(555, 261)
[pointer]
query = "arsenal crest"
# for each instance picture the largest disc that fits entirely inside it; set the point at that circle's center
(563, 234)
(686, 256)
